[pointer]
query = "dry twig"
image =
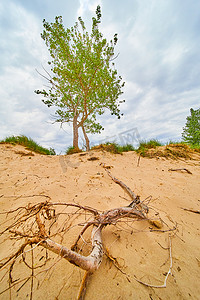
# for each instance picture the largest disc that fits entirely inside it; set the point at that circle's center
(168, 273)
(182, 169)
(191, 210)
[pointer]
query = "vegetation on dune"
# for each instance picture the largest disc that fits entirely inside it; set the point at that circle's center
(151, 148)
(195, 147)
(28, 143)
(114, 148)
(144, 146)
(72, 150)
(109, 147)
(173, 150)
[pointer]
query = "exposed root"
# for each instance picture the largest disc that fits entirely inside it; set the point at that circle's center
(113, 260)
(84, 284)
(135, 198)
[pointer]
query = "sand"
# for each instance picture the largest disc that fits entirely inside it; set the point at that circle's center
(138, 248)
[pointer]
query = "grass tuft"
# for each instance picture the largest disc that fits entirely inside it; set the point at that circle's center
(71, 150)
(144, 146)
(28, 143)
(114, 148)
(128, 147)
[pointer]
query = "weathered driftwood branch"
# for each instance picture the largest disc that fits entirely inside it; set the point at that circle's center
(109, 217)
(88, 263)
(44, 215)
(40, 237)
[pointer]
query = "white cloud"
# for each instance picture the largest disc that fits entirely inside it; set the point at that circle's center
(159, 60)
(92, 5)
(85, 5)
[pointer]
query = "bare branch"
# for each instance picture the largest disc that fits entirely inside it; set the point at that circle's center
(115, 57)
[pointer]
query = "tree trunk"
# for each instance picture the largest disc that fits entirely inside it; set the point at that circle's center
(86, 138)
(75, 133)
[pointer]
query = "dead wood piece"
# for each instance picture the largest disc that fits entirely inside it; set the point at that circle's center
(110, 217)
(93, 158)
(89, 263)
(191, 210)
(157, 223)
(138, 163)
(107, 167)
(181, 169)
(40, 226)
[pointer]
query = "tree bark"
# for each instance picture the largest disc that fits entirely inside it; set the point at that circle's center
(86, 138)
(75, 133)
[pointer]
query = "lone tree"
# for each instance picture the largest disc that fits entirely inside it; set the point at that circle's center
(85, 81)
(191, 131)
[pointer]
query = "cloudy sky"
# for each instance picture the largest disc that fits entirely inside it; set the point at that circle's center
(159, 59)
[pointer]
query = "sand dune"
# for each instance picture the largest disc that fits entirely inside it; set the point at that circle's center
(139, 249)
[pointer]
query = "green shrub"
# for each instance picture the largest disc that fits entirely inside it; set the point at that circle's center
(109, 147)
(28, 143)
(71, 150)
(114, 148)
(145, 146)
(195, 147)
(175, 143)
(128, 147)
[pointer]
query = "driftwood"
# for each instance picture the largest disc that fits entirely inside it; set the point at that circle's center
(33, 225)
(192, 210)
(181, 169)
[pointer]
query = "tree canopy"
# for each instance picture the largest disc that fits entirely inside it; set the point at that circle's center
(84, 81)
(191, 131)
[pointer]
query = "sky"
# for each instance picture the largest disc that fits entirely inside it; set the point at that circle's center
(159, 60)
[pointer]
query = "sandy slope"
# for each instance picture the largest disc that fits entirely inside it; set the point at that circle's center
(139, 251)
